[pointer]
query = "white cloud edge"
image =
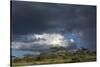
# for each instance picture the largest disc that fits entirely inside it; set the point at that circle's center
(43, 41)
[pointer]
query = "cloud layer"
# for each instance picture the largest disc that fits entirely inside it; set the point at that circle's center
(39, 25)
(40, 42)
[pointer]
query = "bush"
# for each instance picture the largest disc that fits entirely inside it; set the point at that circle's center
(75, 59)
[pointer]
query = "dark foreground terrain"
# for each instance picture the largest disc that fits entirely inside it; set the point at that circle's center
(58, 55)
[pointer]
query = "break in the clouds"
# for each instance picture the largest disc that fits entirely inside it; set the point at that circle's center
(39, 25)
(42, 42)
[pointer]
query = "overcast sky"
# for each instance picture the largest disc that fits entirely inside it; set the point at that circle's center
(35, 25)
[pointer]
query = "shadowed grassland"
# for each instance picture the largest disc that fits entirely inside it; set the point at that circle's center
(55, 57)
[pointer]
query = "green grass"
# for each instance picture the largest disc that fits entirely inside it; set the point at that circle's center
(55, 58)
(56, 61)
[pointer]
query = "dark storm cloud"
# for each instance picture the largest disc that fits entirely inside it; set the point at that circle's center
(33, 17)
(90, 38)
